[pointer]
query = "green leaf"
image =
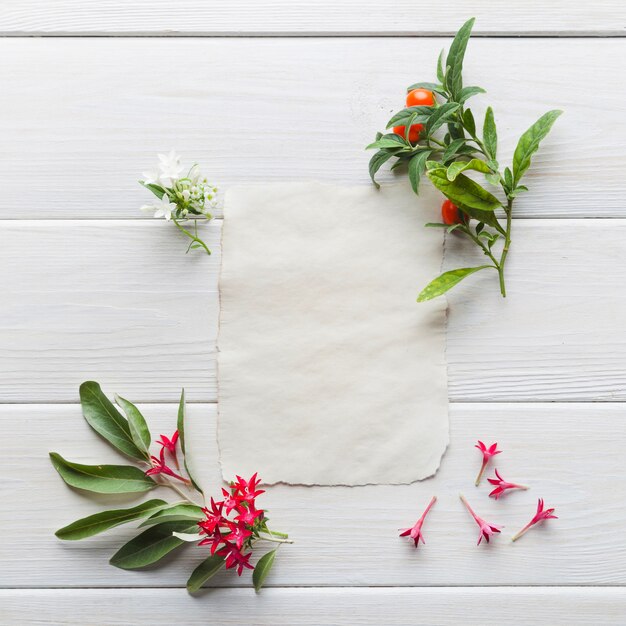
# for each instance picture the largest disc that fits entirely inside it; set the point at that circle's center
(529, 143)
(150, 546)
(207, 569)
(508, 179)
(454, 61)
(157, 190)
(432, 165)
(458, 167)
(440, 116)
(175, 513)
(98, 523)
(467, 92)
(440, 74)
(389, 141)
(138, 428)
(463, 191)
(468, 195)
(446, 281)
(469, 122)
(107, 421)
(102, 478)
(420, 114)
(452, 148)
(417, 165)
(376, 162)
(490, 135)
(181, 436)
(437, 88)
(262, 569)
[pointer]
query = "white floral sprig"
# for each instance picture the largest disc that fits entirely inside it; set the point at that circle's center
(180, 198)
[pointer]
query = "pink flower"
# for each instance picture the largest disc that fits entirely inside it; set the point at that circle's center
(488, 452)
(170, 445)
(159, 467)
(486, 529)
(502, 486)
(416, 531)
(540, 515)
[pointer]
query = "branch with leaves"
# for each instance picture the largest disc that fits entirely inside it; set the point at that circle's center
(230, 526)
(448, 145)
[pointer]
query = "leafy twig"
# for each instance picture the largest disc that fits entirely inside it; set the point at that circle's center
(446, 165)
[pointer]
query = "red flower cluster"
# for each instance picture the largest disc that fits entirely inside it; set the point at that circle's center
(230, 523)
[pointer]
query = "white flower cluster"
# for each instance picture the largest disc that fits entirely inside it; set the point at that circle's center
(177, 195)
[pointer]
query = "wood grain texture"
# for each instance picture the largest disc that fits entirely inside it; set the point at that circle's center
(573, 606)
(83, 118)
(327, 17)
(570, 454)
(120, 302)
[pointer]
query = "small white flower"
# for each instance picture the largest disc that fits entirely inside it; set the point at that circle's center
(152, 177)
(163, 208)
(170, 167)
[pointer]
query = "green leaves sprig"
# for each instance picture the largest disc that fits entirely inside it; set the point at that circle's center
(449, 146)
(164, 524)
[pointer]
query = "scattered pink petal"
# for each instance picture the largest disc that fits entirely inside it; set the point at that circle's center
(540, 515)
(486, 529)
(488, 452)
(502, 486)
(416, 531)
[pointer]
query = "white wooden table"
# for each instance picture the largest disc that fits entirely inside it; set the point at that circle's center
(279, 90)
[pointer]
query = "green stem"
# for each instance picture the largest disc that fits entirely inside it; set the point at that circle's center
(507, 244)
(190, 235)
(275, 539)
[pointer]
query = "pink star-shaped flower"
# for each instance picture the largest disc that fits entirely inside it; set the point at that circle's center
(502, 486)
(488, 452)
(486, 529)
(416, 531)
(540, 516)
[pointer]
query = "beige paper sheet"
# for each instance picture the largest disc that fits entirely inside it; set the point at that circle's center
(330, 373)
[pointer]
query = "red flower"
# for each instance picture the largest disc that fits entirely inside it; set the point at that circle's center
(238, 533)
(488, 452)
(248, 516)
(213, 517)
(247, 490)
(502, 486)
(170, 444)
(540, 516)
(214, 540)
(486, 529)
(159, 467)
(233, 557)
(231, 500)
(416, 531)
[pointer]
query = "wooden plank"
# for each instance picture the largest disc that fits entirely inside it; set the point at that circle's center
(567, 453)
(572, 606)
(324, 17)
(268, 109)
(120, 302)
(112, 300)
